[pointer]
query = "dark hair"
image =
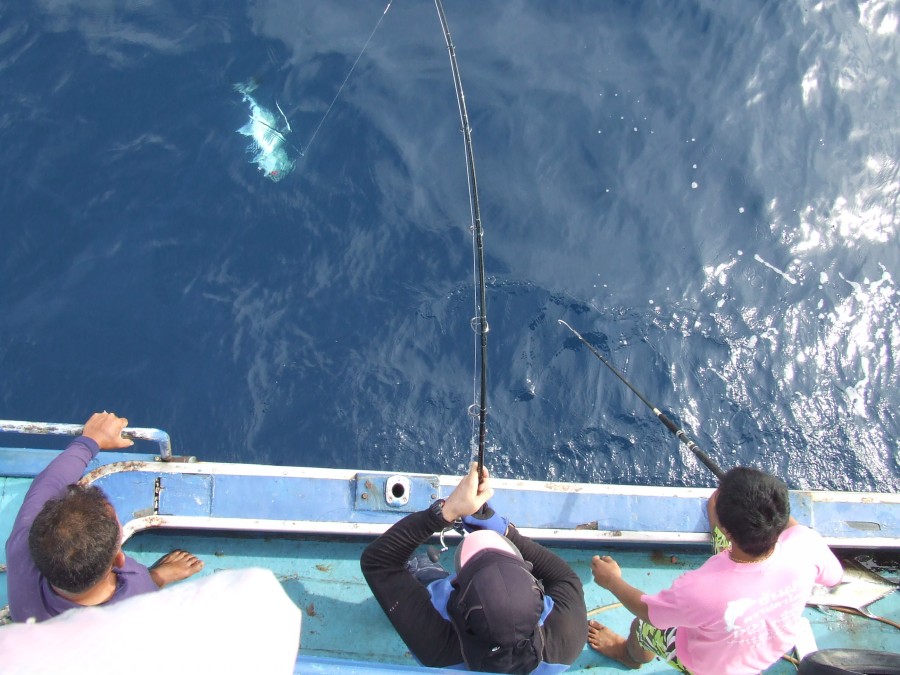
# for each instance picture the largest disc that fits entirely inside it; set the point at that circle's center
(74, 539)
(754, 507)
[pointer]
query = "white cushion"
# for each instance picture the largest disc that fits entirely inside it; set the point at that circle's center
(234, 621)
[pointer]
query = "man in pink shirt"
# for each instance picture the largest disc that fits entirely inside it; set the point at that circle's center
(739, 612)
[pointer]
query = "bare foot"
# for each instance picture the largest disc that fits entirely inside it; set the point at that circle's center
(609, 644)
(175, 566)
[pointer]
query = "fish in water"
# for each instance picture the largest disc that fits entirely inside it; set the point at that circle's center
(269, 146)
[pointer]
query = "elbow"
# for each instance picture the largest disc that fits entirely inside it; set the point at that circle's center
(368, 561)
(365, 560)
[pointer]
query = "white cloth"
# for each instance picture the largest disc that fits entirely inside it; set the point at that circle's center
(234, 621)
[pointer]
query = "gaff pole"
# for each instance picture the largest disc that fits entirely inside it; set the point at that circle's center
(669, 424)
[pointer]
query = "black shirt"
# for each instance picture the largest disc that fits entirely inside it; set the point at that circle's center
(428, 635)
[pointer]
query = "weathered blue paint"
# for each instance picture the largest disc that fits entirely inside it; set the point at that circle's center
(29, 462)
(323, 499)
(344, 629)
(204, 490)
(370, 493)
(185, 494)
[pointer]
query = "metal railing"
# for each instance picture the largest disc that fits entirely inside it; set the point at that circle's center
(57, 429)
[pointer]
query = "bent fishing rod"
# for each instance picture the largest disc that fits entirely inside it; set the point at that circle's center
(479, 322)
(669, 424)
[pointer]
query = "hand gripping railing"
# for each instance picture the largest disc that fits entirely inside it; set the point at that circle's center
(56, 429)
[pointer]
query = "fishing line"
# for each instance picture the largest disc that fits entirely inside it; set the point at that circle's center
(275, 131)
(349, 73)
(479, 322)
(669, 424)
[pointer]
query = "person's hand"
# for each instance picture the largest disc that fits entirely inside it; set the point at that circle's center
(711, 510)
(486, 519)
(106, 430)
(605, 570)
(469, 495)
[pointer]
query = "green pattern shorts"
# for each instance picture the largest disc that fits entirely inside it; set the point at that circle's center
(719, 541)
(660, 642)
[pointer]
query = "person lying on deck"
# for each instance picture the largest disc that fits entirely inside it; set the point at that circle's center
(740, 611)
(512, 606)
(65, 549)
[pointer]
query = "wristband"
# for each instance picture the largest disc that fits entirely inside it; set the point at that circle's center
(437, 508)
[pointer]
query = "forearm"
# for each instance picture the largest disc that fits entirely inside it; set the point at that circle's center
(392, 549)
(404, 600)
(630, 597)
(547, 566)
(566, 626)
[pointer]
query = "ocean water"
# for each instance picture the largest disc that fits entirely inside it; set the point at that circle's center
(707, 191)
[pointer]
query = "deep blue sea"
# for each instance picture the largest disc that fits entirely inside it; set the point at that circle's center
(707, 190)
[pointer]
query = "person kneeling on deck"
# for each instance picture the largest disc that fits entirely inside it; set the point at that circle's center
(65, 547)
(740, 611)
(511, 607)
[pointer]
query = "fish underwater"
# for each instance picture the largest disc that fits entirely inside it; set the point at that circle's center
(269, 144)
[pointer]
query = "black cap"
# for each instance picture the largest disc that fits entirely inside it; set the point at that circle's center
(496, 607)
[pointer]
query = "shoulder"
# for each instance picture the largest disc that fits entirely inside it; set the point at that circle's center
(800, 536)
(698, 581)
(797, 530)
(803, 544)
(134, 579)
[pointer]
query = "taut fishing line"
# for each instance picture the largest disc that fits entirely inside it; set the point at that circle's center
(479, 322)
(343, 84)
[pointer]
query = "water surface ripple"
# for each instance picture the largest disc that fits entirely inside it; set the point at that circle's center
(708, 191)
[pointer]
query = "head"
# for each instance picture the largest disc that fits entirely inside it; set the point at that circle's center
(754, 508)
(496, 606)
(75, 539)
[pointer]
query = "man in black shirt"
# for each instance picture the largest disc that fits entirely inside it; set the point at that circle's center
(512, 606)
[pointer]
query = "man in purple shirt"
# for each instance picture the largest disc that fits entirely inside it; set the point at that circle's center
(65, 549)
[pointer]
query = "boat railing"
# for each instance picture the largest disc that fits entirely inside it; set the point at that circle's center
(157, 436)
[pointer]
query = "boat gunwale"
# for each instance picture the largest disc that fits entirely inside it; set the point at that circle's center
(109, 464)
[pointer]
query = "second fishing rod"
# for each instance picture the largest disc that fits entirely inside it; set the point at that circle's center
(668, 423)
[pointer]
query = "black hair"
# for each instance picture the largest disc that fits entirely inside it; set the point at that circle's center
(754, 507)
(75, 538)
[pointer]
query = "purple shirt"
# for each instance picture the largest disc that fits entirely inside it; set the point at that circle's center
(30, 594)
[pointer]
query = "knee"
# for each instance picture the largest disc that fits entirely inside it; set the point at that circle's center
(633, 645)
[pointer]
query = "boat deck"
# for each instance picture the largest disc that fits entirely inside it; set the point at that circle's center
(296, 523)
(341, 619)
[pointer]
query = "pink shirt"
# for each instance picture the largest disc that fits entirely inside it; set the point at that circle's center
(739, 618)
